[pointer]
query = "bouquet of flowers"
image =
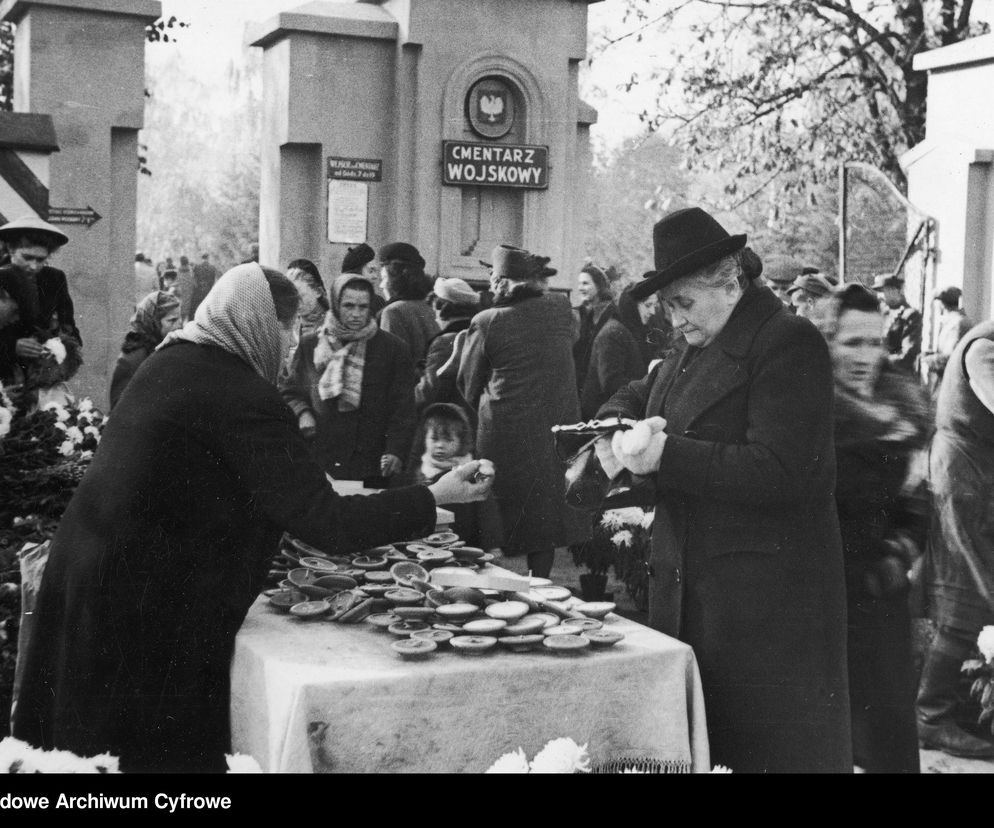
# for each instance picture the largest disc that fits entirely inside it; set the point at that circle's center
(981, 670)
(62, 357)
(43, 455)
(630, 532)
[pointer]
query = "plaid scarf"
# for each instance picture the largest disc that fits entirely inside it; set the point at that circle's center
(340, 356)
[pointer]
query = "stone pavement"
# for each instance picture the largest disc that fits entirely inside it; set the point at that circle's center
(566, 573)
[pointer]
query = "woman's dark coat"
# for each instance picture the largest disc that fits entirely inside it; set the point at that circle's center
(161, 552)
(615, 360)
(517, 372)
(432, 388)
(349, 444)
(124, 370)
(746, 556)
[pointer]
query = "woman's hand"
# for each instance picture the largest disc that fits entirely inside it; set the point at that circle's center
(308, 424)
(640, 448)
(29, 348)
(464, 484)
(390, 465)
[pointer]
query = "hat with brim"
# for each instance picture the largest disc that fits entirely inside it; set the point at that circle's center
(887, 280)
(813, 283)
(518, 264)
(545, 274)
(12, 231)
(684, 242)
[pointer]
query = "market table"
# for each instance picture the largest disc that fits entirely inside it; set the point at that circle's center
(318, 697)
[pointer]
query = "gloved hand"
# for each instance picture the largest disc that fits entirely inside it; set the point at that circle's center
(640, 448)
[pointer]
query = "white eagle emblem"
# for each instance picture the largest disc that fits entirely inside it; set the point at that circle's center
(492, 106)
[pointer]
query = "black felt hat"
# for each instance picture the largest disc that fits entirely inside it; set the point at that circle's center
(357, 258)
(685, 241)
(403, 252)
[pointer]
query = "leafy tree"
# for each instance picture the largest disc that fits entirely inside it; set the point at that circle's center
(778, 92)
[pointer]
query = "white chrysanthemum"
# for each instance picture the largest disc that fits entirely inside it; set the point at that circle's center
(721, 769)
(74, 434)
(515, 762)
(5, 419)
(619, 518)
(83, 418)
(67, 448)
(561, 756)
(55, 347)
(93, 431)
(86, 455)
(60, 413)
(647, 517)
(622, 538)
(62, 426)
(242, 763)
(985, 643)
(86, 404)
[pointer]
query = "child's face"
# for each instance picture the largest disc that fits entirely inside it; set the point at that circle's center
(441, 442)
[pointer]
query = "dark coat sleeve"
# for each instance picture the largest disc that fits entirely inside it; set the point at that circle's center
(474, 366)
(432, 387)
(62, 304)
(127, 364)
(402, 412)
(296, 383)
(268, 456)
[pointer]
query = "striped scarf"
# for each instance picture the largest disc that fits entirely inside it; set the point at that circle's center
(340, 356)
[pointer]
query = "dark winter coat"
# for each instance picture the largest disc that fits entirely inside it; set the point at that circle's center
(517, 372)
(163, 549)
(746, 562)
(349, 444)
(124, 370)
(615, 360)
(434, 389)
(413, 322)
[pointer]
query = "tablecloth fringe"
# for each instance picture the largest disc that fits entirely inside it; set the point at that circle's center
(641, 764)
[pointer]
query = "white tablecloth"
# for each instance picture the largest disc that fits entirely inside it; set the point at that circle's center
(319, 696)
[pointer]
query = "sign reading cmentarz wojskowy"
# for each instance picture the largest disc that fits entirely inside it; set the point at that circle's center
(471, 164)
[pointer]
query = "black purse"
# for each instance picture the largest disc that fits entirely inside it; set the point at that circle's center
(588, 487)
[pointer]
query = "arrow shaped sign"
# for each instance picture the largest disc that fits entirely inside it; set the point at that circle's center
(73, 215)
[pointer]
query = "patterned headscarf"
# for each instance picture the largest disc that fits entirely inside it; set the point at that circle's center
(238, 315)
(145, 329)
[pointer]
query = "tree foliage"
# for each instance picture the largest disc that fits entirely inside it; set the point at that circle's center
(778, 92)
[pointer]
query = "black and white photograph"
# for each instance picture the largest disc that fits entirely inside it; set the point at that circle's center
(434, 387)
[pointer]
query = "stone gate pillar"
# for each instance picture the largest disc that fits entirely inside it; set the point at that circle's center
(83, 63)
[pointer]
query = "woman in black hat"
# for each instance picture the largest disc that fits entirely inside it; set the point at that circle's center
(405, 285)
(746, 562)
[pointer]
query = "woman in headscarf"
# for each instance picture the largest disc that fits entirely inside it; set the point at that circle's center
(881, 422)
(351, 386)
(516, 371)
(735, 434)
(156, 316)
(314, 304)
(167, 540)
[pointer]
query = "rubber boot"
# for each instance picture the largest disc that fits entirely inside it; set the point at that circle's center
(540, 563)
(938, 696)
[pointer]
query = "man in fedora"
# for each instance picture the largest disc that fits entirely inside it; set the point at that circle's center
(903, 332)
(41, 293)
(736, 434)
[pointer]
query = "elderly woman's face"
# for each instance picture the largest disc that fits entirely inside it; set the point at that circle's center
(585, 288)
(697, 311)
(858, 350)
(309, 295)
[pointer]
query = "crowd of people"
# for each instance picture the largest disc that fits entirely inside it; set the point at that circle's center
(805, 457)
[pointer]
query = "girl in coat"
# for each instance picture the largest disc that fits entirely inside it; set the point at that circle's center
(167, 540)
(156, 316)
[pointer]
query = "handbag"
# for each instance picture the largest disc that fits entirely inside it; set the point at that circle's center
(587, 486)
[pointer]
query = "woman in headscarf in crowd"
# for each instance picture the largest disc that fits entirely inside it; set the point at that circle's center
(455, 303)
(314, 305)
(406, 287)
(168, 538)
(735, 433)
(516, 372)
(881, 423)
(156, 316)
(595, 308)
(351, 385)
(616, 356)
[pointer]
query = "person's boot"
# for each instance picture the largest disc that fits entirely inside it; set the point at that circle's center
(540, 563)
(938, 697)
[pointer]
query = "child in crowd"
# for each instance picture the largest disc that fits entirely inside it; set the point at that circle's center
(445, 440)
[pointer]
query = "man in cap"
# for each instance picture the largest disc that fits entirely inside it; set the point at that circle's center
(903, 332)
(41, 292)
(779, 275)
(953, 325)
(807, 291)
